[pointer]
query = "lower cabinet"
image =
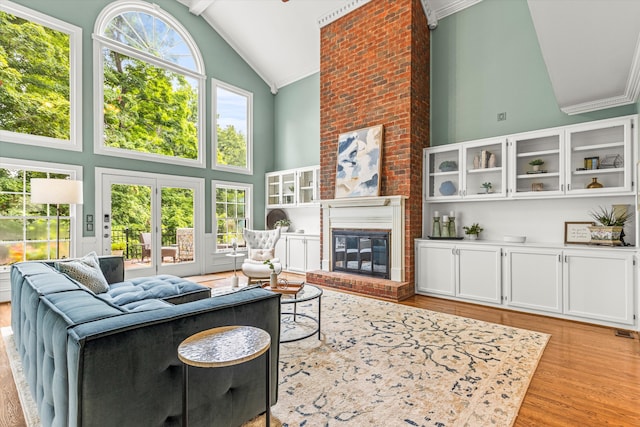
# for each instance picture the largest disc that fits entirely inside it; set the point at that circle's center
(299, 253)
(465, 271)
(595, 285)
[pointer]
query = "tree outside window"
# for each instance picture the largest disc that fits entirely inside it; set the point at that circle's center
(233, 128)
(232, 213)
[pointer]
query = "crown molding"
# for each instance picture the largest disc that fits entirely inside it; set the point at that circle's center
(453, 6)
(432, 19)
(328, 18)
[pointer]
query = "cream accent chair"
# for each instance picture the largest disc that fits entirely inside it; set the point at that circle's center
(261, 245)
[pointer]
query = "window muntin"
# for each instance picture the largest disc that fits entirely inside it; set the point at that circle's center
(40, 77)
(232, 121)
(150, 90)
(232, 213)
(28, 230)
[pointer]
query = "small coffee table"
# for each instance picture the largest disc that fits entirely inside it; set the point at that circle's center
(220, 347)
(305, 293)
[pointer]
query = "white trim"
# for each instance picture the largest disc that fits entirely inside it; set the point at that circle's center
(75, 81)
(99, 42)
(248, 206)
(75, 211)
(432, 19)
(248, 170)
(332, 16)
(453, 6)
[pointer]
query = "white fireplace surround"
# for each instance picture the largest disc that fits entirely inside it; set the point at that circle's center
(365, 213)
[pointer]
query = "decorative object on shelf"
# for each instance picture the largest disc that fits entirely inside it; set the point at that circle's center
(535, 164)
(610, 232)
(473, 231)
(448, 166)
(537, 186)
(283, 224)
(436, 224)
(611, 161)
(453, 232)
(476, 162)
(487, 187)
(492, 161)
(447, 188)
(291, 188)
(274, 216)
(514, 239)
(591, 162)
(359, 162)
(577, 232)
(594, 184)
(445, 226)
(273, 276)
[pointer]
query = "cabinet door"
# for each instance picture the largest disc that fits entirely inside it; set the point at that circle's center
(288, 188)
(534, 279)
(600, 151)
(442, 173)
(479, 273)
(435, 273)
(484, 169)
(296, 254)
(281, 251)
(313, 253)
(307, 186)
(548, 178)
(273, 188)
(599, 285)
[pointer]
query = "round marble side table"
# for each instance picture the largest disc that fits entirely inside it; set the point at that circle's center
(224, 346)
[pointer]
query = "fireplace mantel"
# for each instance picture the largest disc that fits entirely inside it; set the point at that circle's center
(383, 212)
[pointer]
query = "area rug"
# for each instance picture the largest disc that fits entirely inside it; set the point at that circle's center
(381, 363)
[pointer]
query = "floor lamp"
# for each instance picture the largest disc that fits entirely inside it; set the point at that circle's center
(56, 192)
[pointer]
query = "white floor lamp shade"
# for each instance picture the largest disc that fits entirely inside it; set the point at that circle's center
(56, 192)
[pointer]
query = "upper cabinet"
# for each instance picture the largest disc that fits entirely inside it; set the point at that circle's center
(473, 170)
(592, 158)
(293, 187)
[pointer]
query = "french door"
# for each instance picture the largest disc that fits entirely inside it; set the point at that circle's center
(154, 221)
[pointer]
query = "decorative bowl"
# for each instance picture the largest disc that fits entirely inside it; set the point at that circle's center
(515, 239)
(447, 188)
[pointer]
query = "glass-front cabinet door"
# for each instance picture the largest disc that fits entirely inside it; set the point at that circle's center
(537, 160)
(485, 172)
(273, 189)
(307, 185)
(599, 157)
(443, 172)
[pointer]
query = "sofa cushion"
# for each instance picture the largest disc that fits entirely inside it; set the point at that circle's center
(145, 305)
(261, 254)
(85, 270)
(163, 287)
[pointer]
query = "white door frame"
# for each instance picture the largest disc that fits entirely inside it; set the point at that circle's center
(156, 181)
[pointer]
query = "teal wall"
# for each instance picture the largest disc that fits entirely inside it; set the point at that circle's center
(297, 124)
(486, 60)
(221, 62)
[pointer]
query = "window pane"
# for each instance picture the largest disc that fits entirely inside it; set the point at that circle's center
(148, 108)
(230, 215)
(35, 95)
(231, 128)
(11, 229)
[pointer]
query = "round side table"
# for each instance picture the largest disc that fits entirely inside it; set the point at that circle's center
(220, 347)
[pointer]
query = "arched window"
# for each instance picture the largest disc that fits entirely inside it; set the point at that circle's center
(149, 87)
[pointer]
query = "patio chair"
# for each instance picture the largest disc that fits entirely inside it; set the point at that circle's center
(261, 245)
(184, 240)
(167, 251)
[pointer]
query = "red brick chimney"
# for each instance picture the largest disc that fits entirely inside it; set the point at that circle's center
(375, 70)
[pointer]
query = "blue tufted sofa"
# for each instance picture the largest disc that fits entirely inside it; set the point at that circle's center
(110, 359)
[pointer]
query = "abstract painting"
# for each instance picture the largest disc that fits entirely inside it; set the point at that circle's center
(359, 160)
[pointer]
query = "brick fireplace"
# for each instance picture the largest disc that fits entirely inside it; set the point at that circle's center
(375, 70)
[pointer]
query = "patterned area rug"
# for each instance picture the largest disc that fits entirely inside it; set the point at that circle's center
(380, 363)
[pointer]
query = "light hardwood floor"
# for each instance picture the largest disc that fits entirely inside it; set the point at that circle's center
(587, 376)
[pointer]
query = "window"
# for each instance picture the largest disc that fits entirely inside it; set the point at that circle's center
(27, 230)
(40, 79)
(149, 93)
(232, 213)
(232, 120)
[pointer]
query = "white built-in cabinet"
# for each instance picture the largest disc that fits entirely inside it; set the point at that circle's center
(587, 283)
(292, 187)
(298, 252)
(452, 270)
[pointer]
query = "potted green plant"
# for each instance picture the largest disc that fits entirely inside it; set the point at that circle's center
(117, 248)
(536, 163)
(487, 187)
(610, 232)
(273, 276)
(283, 225)
(473, 230)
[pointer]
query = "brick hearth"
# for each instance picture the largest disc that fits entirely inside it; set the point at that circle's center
(375, 70)
(380, 288)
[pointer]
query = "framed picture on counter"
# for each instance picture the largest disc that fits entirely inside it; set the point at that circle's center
(577, 232)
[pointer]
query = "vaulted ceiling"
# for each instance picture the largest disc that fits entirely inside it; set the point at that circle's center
(590, 47)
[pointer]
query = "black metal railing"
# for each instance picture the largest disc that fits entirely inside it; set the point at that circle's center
(128, 240)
